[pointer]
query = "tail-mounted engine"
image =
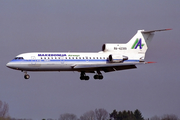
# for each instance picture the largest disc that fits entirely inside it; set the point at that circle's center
(117, 58)
(113, 47)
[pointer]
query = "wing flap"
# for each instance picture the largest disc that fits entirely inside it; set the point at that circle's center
(119, 68)
(105, 67)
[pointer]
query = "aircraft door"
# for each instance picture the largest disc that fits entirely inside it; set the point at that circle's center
(33, 60)
(62, 60)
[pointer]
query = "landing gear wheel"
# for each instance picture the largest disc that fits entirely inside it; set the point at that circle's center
(86, 77)
(100, 77)
(96, 77)
(26, 76)
(83, 76)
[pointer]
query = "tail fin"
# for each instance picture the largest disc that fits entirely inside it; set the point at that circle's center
(135, 49)
(138, 45)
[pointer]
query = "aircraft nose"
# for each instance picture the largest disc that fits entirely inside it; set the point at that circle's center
(9, 65)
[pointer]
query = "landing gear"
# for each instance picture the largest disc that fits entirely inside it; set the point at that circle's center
(98, 75)
(26, 76)
(83, 76)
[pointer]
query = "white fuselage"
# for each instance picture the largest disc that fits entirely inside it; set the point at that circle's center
(113, 57)
(42, 61)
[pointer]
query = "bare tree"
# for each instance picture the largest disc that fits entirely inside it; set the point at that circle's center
(155, 118)
(170, 117)
(4, 108)
(90, 115)
(101, 114)
(68, 116)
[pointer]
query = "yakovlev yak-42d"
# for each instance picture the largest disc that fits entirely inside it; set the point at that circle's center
(113, 57)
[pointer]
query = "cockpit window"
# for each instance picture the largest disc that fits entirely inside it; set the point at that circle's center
(18, 58)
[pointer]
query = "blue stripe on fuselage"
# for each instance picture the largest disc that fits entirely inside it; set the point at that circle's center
(68, 60)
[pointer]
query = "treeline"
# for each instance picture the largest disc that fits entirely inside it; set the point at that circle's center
(4, 108)
(126, 115)
(97, 114)
(102, 114)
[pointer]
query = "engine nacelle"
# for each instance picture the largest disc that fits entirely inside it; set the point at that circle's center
(117, 58)
(113, 47)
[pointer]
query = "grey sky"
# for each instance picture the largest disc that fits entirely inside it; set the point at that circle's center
(84, 25)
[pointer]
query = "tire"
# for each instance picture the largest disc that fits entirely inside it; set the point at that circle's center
(86, 77)
(26, 76)
(96, 77)
(100, 77)
(82, 78)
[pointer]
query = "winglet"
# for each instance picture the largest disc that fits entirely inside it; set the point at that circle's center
(155, 30)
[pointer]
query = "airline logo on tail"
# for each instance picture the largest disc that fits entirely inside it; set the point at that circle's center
(137, 43)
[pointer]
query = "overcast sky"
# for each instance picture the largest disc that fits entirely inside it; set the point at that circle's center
(85, 25)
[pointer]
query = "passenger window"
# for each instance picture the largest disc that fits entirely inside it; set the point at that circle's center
(79, 57)
(89, 57)
(100, 58)
(97, 57)
(93, 57)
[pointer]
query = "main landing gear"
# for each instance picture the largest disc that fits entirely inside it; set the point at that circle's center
(83, 76)
(98, 75)
(26, 76)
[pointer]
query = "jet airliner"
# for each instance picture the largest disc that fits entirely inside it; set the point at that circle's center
(113, 57)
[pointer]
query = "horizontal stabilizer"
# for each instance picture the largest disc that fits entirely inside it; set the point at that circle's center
(155, 30)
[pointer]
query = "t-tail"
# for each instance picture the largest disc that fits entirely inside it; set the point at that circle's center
(139, 44)
(135, 49)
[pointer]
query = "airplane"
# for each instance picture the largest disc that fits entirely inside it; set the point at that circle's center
(113, 57)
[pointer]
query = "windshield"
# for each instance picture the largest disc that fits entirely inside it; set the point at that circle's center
(18, 58)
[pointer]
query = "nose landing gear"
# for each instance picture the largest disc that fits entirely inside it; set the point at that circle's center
(26, 76)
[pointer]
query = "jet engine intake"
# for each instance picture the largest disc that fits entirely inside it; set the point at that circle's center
(117, 58)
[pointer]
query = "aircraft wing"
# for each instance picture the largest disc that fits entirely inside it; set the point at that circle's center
(109, 67)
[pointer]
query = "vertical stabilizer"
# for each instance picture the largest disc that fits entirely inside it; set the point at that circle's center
(139, 44)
